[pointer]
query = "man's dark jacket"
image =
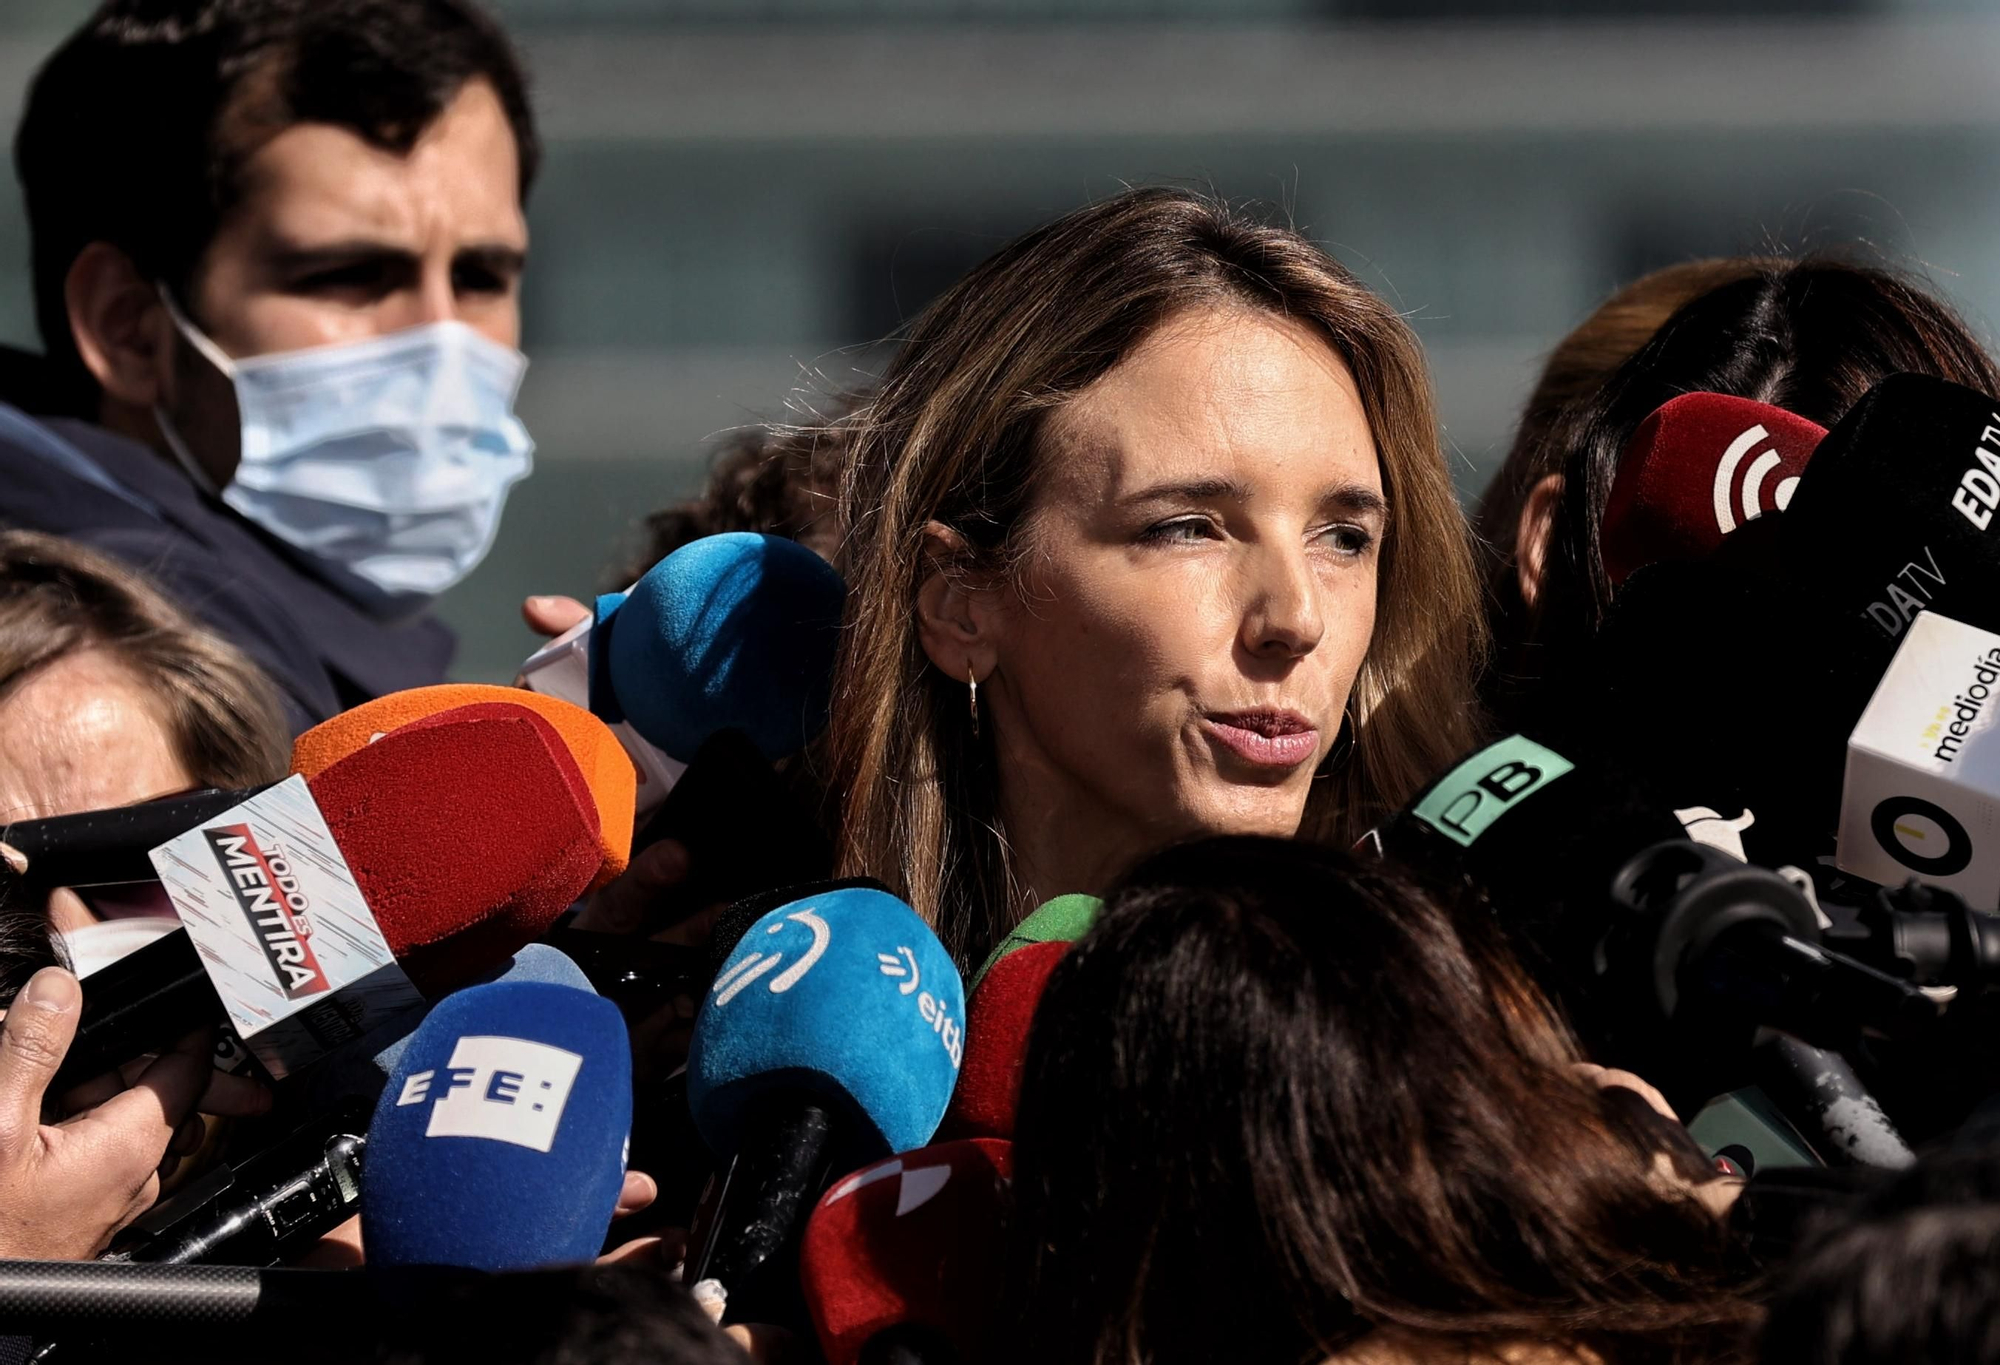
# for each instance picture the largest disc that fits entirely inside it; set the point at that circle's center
(73, 479)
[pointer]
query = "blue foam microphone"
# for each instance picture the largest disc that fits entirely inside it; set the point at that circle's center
(729, 632)
(834, 1031)
(713, 666)
(499, 1141)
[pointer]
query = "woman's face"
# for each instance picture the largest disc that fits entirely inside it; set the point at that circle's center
(1198, 593)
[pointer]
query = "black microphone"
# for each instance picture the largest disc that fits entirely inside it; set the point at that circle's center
(1740, 676)
(271, 1206)
(1668, 954)
(106, 847)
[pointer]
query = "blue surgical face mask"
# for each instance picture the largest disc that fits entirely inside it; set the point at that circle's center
(388, 459)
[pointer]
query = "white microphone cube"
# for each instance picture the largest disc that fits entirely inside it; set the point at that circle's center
(1921, 796)
(561, 669)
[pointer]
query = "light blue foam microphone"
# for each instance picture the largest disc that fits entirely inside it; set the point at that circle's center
(729, 632)
(833, 1032)
(499, 1142)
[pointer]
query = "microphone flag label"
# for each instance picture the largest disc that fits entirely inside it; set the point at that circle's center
(271, 902)
(1921, 793)
(1484, 787)
(288, 942)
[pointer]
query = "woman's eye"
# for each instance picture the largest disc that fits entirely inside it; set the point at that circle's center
(1179, 529)
(1348, 539)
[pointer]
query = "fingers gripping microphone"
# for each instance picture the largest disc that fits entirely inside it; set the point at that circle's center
(1695, 470)
(499, 1142)
(996, 1042)
(902, 1259)
(607, 770)
(833, 1033)
(455, 885)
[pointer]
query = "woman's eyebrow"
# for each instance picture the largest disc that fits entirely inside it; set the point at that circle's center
(1356, 498)
(1189, 490)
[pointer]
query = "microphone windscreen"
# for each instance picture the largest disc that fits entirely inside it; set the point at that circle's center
(1700, 466)
(467, 832)
(915, 1240)
(1065, 919)
(734, 631)
(1739, 677)
(997, 1020)
(606, 768)
(1917, 463)
(847, 999)
(499, 1141)
(361, 1068)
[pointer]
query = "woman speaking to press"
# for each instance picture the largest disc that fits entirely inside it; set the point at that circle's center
(1147, 535)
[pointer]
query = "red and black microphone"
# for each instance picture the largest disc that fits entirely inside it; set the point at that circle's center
(1698, 468)
(902, 1261)
(467, 834)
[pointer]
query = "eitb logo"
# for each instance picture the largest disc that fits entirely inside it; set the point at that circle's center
(1921, 835)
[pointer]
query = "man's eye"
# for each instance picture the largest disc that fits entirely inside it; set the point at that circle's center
(478, 279)
(360, 275)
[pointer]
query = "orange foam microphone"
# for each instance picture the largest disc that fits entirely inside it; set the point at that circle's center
(607, 770)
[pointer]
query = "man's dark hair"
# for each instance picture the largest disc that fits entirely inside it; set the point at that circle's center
(137, 128)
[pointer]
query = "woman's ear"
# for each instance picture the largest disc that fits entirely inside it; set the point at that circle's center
(121, 329)
(955, 619)
(1531, 535)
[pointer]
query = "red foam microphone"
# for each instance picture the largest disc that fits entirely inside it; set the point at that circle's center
(996, 1042)
(467, 833)
(902, 1259)
(1699, 467)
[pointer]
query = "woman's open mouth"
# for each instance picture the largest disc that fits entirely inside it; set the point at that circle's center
(1269, 739)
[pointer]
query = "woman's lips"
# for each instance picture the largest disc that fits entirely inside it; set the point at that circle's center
(1268, 739)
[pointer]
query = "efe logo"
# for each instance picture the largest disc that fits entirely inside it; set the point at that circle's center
(504, 1089)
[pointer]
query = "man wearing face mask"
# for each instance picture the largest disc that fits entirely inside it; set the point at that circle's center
(277, 248)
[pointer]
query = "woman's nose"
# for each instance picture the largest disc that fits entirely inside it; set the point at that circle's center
(1284, 619)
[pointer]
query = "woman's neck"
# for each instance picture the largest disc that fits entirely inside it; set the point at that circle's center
(1059, 838)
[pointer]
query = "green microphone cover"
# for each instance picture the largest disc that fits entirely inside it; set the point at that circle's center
(1062, 920)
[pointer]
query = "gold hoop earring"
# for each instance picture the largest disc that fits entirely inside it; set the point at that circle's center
(972, 697)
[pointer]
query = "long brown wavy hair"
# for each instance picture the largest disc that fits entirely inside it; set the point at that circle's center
(955, 433)
(1279, 1099)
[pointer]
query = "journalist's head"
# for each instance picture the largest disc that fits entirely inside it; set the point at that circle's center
(1147, 534)
(1809, 334)
(1283, 1105)
(274, 240)
(109, 695)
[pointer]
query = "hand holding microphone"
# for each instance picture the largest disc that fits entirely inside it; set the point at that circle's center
(65, 1188)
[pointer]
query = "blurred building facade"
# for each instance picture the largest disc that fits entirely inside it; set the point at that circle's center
(740, 195)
